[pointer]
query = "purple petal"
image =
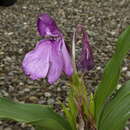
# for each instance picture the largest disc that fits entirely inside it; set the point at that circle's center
(68, 68)
(36, 62)
(56, 62)
(47, 26)
(86, 59)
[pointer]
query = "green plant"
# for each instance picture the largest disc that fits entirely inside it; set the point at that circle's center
(107, 109)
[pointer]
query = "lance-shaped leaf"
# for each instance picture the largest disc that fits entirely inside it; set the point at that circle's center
(112, 71)
(117, 111)
(41, 117)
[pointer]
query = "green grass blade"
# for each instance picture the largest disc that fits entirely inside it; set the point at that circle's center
(117, 111)
(37, 115)
(112, 72)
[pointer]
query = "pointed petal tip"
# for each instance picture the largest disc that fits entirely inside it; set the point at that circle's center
(69, 72)
(51, 81)
(68, 68)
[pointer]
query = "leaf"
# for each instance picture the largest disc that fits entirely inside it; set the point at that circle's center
(91, 105)
(117, 111)
(111, 73)
(40, 116)
(71, 111)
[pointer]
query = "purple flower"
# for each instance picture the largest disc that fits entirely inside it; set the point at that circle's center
(86, 59)
(50, 57)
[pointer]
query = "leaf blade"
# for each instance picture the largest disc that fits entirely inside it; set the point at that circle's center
(117, 111)
(35, 114)
(111, 73)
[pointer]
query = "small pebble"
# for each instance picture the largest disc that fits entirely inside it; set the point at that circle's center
(33, 99)
(5, 93)
(26, 90)
(25, 23)
(42, 101)
(0, 122)
(1, 53)
(32, 128)
(47, 94)
(124, 69)
(21, 83)
(126, 128)
(30, 87)
(30, 81)
(70, 1)
(24, 7)
(51, 86)
(119, 86)
(50, 101)
(58, 89)
(7, 128)
(128, 73)
(8, 33)
(113, 33)
(23, 125)
(64, 87)
(11, 88)
(98, 68)
(1, 128)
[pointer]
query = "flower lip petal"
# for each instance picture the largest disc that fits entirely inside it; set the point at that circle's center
(56, 62)
(36, 62)
(46, 26)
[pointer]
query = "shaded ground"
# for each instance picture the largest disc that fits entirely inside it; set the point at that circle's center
(104, 21)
